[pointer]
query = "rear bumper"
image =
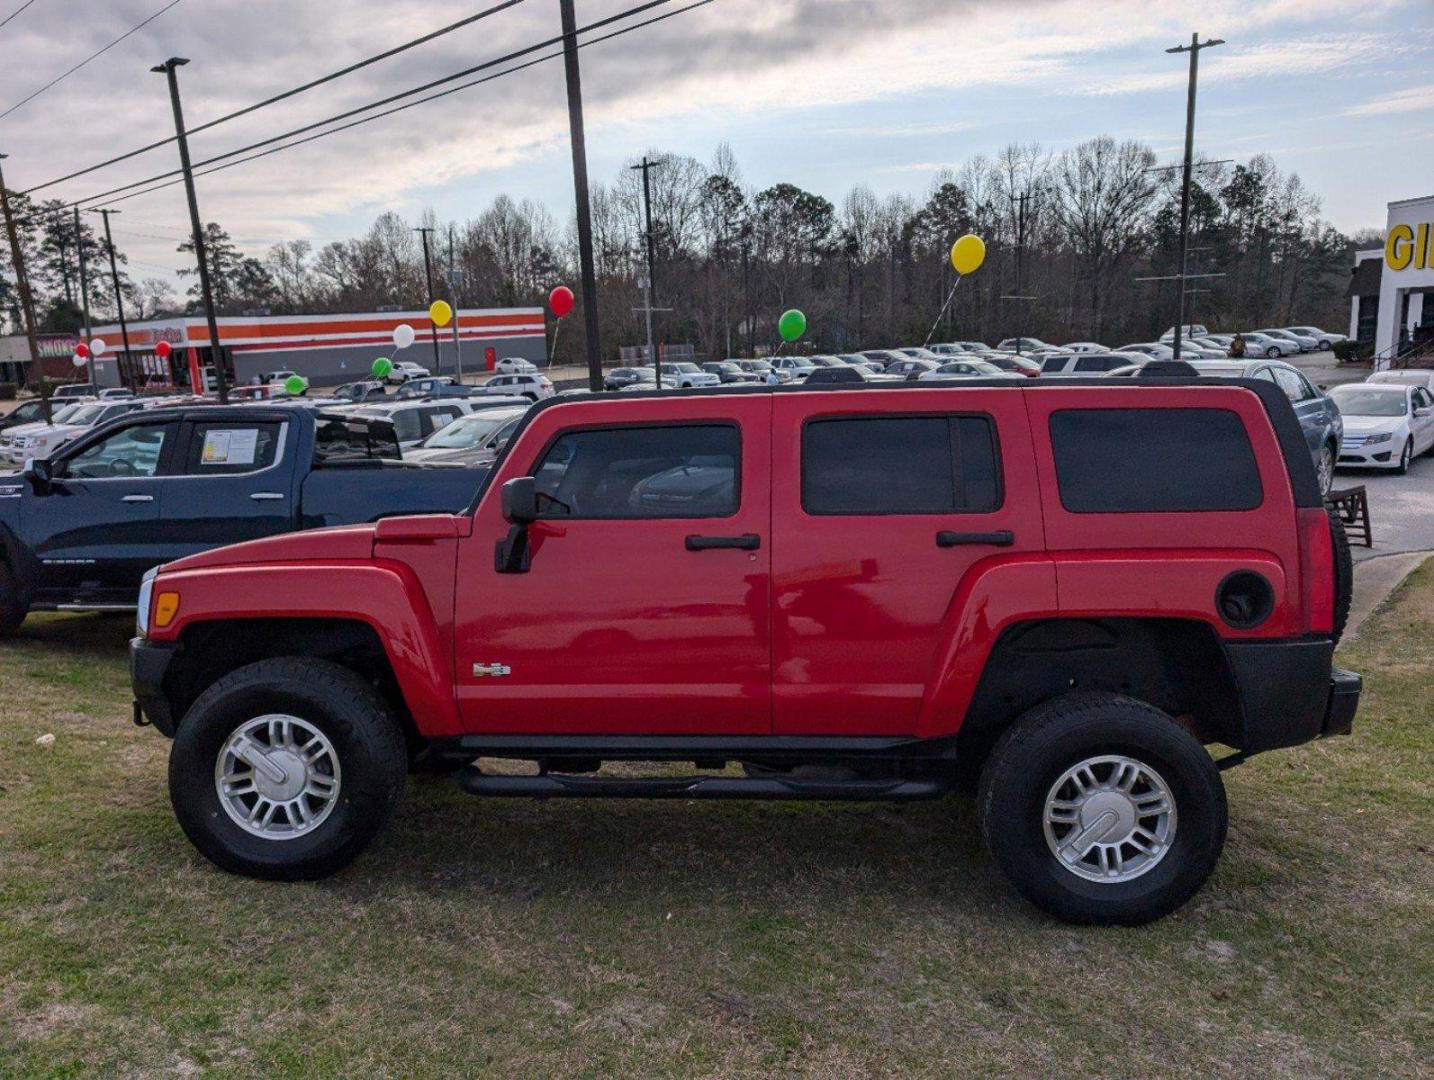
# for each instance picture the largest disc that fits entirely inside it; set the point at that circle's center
(148, 662)
(1290, 692)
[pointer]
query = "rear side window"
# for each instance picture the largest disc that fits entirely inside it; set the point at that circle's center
(1153, 460)
(689, 470)
(228, 448)
(900, 465)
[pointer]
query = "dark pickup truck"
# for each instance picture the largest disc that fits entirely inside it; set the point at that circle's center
(77, 532)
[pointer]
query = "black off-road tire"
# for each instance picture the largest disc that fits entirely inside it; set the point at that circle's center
(1343, 572)
(12, 608)
(1057, 735)
(366, 739)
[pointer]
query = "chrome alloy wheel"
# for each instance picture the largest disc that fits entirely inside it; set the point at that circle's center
(1109, 818)
(277, 776)
(1325, 470)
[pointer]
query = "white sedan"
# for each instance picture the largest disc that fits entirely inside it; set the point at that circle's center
(1386, 425)
(515, 365)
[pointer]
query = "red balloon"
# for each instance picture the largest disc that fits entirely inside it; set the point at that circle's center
(560, 300)
(162, 350)
(82, 350)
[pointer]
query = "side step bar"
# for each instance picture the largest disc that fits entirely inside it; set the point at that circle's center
(567, 786)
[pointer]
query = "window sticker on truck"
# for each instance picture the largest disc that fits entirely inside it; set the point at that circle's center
(230, 447)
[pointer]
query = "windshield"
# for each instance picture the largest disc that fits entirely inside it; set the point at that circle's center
(1366, 402)
(468, 431)
(85, 414)
(62, 416)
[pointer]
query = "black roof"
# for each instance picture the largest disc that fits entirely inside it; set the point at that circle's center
(1365, 281)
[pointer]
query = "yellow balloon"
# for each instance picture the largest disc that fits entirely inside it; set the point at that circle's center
(439, 313)
(968, 253)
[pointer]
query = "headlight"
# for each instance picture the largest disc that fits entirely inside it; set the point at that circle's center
(146, 590)
(1382, 437)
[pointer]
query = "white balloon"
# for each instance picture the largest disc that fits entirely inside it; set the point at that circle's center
(403, 336)
(78, 360)
(98, 346)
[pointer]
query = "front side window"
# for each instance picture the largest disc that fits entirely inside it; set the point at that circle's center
(133, 452)
(1295, 388)
(684, 471)
(219, 449)
(900, 465)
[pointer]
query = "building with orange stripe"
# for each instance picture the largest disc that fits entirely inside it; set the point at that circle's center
(325, 349)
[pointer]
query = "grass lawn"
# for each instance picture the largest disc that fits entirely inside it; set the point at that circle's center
(521, 939)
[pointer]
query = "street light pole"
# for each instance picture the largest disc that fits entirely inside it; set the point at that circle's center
(170, 69)
(85, 295)
(22, 286)
(1194, 50)
(127, 364)
(424, 230)
(580, 190)
(647, 166)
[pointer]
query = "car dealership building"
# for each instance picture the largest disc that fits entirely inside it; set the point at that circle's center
(325, 349)
(1389, 292)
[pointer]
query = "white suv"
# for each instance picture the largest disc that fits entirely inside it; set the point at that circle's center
(403, 370)
(532, 386)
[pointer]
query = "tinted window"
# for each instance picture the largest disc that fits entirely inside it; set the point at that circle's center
(217, 449)
(1054, 363)
(135, 451)
(1097, 363)
(1124, 460)
(899, 465)
(338, 439)
(633, 472)
(1295, 388)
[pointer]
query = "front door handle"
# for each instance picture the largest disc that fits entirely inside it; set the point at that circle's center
(745, 542)
(137, 498)
(266, 496)
(999, 538)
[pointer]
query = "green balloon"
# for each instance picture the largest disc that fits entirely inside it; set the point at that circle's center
(382, 368)
(792, 325)
(295, 385)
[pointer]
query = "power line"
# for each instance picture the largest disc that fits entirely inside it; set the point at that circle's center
(17, 11)
(424, 39)
(86, 60)
(408, 105)
(515, 54)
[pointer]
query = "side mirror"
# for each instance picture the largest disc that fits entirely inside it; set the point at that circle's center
(41, 475)
(520, 500)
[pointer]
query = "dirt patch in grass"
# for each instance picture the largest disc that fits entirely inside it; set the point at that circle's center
(513, 938)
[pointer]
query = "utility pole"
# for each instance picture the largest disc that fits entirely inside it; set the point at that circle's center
(85, 295)
(1194, 50)
(126, 365)
(424, 231)
(647, 166)
(22, 286)
(1022, 202)
(580, 190)
(170, 69)
(455, 277)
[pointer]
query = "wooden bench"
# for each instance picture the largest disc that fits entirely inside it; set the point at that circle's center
(1352, 505)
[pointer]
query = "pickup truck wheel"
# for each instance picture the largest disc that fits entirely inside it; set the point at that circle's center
(286, 769)
(1102, 810)
(12, 609)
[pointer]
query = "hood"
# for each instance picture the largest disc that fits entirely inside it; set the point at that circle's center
(19, 431)
(1369, 425)
(311, 545)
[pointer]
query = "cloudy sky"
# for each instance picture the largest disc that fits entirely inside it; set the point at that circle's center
(822, 93)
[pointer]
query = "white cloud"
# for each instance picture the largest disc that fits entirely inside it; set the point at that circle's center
(1411, 99)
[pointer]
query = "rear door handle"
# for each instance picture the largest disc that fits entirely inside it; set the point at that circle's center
(137, 498)
(745, 542)
(266, 496)
(999, 538)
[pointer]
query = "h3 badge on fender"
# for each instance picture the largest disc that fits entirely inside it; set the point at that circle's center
(480, 670)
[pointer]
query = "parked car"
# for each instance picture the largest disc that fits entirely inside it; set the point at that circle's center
(515, 365)
(1405, 377)
(1302, 342)
(729, 371)
(1261, 344)
(966, 369)
(41, 440)
(27, 412)
(1021, 345)
(278, 378)
(911, 368)
(116, 393)
(1189, 330)
(532, 387)
(1324, 338)
(883, 358)
(72, 392)
(1386, 425)
(1087, 363)
(1202, 588)
(763, 368)
(433, 386)
(920, 352)
(1153, 349)
(623, 377)
(81, 528)
(1016, 365)
(794, 367)
(414, 421)
(975, 346)
(1087, 347)
(842, 374)
(358, 392)
(951, 348)
(403, 370)
(468, 440)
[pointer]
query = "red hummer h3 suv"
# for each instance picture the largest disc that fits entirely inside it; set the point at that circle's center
(1061, 594)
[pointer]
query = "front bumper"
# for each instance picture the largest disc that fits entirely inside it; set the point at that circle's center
(148, 663)
(1380, 455)
(1290, 692)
